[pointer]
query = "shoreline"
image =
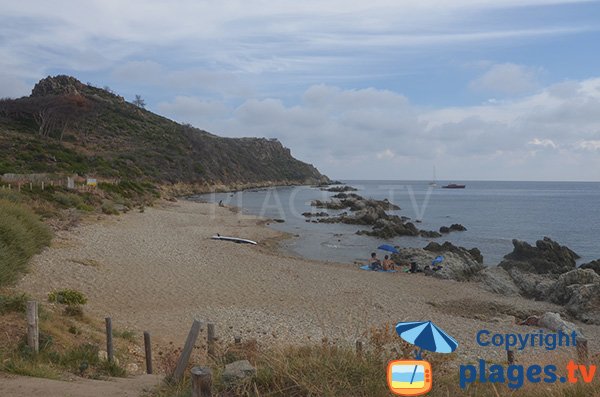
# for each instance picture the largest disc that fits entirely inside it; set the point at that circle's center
(158, 270)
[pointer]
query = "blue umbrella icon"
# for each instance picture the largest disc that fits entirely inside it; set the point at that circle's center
(427, 336)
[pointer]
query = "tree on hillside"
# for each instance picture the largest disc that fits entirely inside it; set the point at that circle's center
(139, 102)
(53, 114)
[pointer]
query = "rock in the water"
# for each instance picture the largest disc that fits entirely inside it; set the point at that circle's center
(429, 234)
(339, 189)
(594, 265)
(457, 227)
(315, 214)
(238, 370)
(496, 279)
(547, 257)
(554, 322)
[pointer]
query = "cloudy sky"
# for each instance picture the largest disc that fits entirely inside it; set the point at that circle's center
(378, 89)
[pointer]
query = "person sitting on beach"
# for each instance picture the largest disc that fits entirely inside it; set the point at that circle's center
(388, 264)
(374, 262)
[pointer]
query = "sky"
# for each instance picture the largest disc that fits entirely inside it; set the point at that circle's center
(379, 89)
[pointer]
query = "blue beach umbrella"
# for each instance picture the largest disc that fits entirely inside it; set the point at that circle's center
(437, 260)
(390, 248)
(426, 335)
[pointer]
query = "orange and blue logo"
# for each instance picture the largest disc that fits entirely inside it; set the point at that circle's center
(414, 377)
(409, 377)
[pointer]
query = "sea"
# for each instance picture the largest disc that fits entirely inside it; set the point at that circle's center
(493, 212)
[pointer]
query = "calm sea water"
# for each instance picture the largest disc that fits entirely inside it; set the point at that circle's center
(493, 212)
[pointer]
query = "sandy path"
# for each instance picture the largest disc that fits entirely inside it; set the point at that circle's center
(20, 386)
(158, 270)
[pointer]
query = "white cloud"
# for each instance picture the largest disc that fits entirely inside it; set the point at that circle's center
(349, 132)
(507, 78)
(588, 145)
(543, 143)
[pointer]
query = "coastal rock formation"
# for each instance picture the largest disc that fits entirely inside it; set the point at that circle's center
(429, 234)
(472, 253)
(314, 214)
(340, 189)
(594, 265)
(496, 279)
(547, 272)
(579, 291)
(459, 264)
(457, 227)
(547, 257)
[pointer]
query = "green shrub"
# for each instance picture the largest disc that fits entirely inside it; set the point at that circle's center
(13, 303)
(109, 209)
(68, 297)
(22, 235)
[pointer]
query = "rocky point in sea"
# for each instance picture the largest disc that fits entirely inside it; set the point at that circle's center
(547, 271)
(369, 212)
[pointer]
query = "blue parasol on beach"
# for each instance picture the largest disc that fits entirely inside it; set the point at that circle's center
(390, 248)
(426, 335)
(437, 260)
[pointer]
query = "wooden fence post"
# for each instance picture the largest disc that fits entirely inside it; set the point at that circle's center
(148, 350)
(359, 348)
(109, 340)
(201, 382)
(30, 186)
(33, 331)
(510, 357)
(582, 350)
(211, 340)
(184, 358)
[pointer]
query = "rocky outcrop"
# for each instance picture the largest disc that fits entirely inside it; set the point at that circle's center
(458, 263)
(340, 189)
(457, 227)
(58, 85)
(315, 214)
(496, 279)
(547, 272)
(429, 234)
(473, 253)
(579, 291)
(594, 265)
(547, 257)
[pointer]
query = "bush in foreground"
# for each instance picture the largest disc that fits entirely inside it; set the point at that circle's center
(22, 235)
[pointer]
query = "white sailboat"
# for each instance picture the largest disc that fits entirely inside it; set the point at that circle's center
(433, 183)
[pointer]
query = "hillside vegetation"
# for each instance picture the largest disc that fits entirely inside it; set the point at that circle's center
(66, 126)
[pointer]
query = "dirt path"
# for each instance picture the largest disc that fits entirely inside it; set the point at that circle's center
(22, 386)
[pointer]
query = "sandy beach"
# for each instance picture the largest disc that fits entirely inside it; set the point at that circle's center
(158, 270)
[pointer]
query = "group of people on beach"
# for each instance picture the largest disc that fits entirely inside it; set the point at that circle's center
(376, 264)
(388, 264)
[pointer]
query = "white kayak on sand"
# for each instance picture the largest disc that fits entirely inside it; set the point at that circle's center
(234, 239)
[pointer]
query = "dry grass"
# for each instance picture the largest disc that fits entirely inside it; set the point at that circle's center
(326, 369)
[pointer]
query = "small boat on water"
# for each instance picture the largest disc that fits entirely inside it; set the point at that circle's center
(454, 186)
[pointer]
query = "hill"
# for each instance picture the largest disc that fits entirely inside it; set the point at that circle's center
(68, 127)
